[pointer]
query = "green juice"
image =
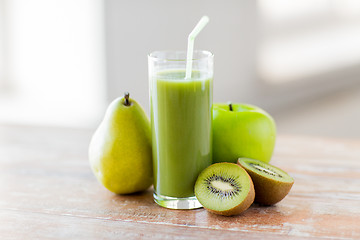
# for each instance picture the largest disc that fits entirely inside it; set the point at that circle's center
(181, 114)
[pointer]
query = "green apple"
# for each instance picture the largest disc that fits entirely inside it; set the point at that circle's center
(242, 130)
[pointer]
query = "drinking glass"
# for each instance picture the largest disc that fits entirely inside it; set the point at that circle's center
(181, 124)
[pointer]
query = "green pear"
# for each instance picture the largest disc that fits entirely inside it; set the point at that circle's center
(120, 150)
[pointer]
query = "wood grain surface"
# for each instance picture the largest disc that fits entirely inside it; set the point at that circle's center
(47, 191)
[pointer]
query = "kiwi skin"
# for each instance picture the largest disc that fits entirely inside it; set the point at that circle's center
(267, 190)
(244, 205)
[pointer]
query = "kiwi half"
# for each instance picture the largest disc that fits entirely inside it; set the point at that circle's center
(225, 189)
(271, 183)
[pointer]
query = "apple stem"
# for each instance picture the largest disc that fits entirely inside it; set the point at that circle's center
(230, 106)
(126, 96)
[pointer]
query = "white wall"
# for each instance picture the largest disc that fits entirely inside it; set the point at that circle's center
(239, 37)
(54, 63)
(53, 51)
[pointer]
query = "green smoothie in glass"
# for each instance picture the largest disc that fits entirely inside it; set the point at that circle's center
(181, 136)
(181, 116)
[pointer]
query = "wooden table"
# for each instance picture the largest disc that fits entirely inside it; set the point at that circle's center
(47, 190)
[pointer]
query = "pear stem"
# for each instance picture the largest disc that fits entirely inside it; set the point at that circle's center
(230, 106)
(126, 96)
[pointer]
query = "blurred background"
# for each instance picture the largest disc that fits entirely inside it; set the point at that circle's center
(63, 61)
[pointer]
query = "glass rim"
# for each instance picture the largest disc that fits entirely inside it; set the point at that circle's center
(206, 55)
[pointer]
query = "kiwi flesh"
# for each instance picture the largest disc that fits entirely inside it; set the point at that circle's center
(271, 183)
(225, 189)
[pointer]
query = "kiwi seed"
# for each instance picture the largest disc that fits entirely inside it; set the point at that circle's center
(265, 170)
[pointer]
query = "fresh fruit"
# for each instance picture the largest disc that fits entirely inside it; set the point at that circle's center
(241, 130)
(271, 183)
(120, 149)
(225, 189)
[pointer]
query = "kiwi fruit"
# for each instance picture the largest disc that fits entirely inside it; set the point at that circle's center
(271, 183)
(225, 189)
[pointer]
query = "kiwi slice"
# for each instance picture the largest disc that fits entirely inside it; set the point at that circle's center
(225, 189)
(271, 183)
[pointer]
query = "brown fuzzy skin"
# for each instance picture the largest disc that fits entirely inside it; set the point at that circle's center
(268, 191)
(244, 205)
